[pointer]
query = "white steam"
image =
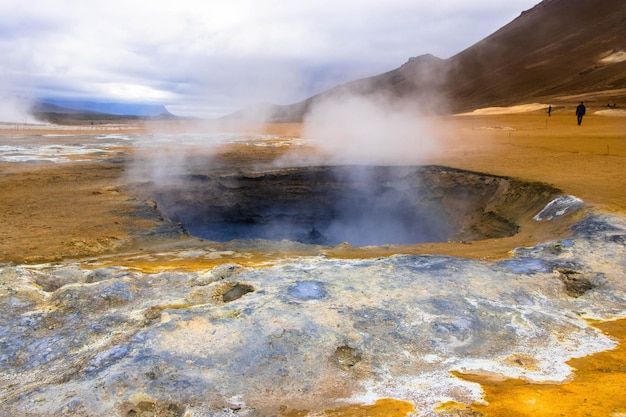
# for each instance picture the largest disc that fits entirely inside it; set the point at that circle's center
(362, 205)
(369, 130)
(15, 110)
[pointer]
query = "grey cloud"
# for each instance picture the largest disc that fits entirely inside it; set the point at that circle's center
(234, 52)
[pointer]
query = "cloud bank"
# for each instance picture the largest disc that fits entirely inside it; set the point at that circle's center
(211, 58)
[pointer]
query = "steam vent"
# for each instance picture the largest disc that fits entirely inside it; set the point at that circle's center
(359, 205)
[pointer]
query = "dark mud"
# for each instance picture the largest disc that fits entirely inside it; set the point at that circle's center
(361, 205)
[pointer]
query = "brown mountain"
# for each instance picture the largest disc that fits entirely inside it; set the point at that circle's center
(559, 51)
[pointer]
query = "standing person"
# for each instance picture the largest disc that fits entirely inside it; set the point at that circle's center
(580, 112)
(549, 111)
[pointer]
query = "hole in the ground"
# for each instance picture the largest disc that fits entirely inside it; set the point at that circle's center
(231, 291)
(361, 205)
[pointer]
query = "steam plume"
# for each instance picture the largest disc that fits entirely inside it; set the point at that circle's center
(369, 129)
(15, 109)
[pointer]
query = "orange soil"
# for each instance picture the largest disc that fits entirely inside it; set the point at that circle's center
(387, 407)
(598, 387)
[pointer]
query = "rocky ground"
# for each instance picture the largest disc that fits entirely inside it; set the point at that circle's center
(112, 308)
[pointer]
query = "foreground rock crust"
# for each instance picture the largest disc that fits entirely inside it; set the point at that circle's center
(308, 333)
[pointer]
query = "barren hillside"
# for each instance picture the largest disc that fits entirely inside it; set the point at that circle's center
(558, 51)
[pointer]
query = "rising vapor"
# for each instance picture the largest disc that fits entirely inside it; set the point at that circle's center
(15, 109)
(352, 128)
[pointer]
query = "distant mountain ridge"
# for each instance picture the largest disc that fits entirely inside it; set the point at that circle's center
(558, 50)
(62, 106)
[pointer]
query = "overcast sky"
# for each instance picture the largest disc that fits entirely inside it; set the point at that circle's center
(211, 57)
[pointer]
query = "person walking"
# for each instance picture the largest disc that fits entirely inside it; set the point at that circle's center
(580, 112)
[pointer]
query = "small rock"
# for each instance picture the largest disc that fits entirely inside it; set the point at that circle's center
(576, 284)
(231, 291)
(347, 357)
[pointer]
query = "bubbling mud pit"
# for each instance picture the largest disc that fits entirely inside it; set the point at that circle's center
(360, 205)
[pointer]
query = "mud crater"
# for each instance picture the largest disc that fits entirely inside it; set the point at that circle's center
(360, 205)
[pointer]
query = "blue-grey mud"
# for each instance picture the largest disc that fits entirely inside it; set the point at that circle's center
(258, 327)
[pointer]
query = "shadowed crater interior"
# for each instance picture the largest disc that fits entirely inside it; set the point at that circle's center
(361, 205)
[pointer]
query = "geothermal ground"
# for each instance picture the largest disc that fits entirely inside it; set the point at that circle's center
(171, 270)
